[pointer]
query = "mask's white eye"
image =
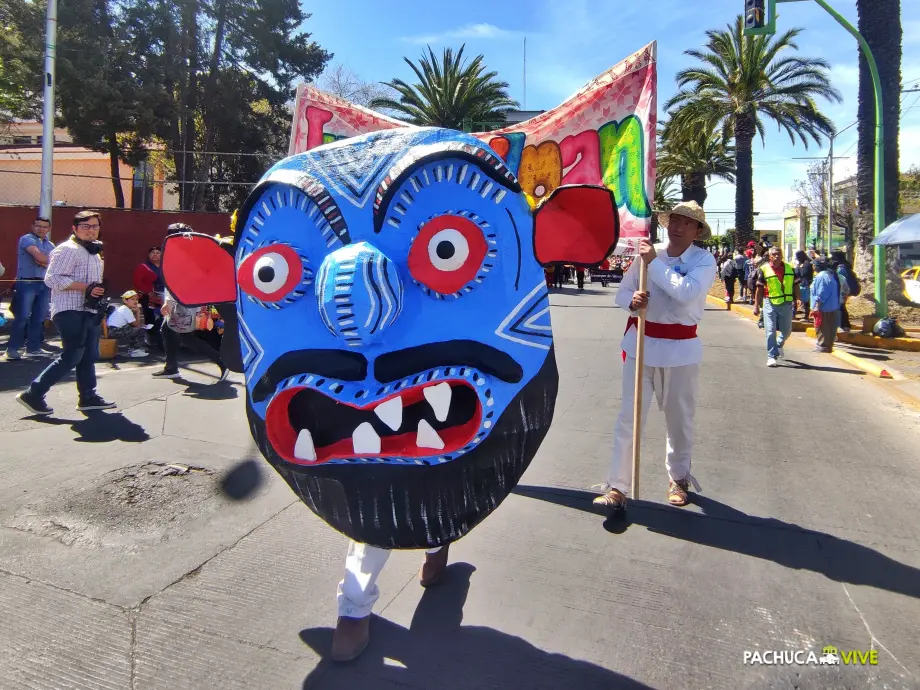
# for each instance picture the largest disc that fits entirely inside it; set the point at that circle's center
(270, 272)
(275, 273)
(448, 250)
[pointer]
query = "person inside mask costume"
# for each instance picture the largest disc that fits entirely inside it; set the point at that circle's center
(393, 327)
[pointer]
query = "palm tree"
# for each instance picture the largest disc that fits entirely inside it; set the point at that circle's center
(741, 80)
(880, 25)
(665, 200)
(449, 92)
(694, 155)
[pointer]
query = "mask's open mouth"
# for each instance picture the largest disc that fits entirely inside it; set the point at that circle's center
(307, 427)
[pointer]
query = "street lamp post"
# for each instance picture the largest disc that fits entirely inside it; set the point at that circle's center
(759, 24)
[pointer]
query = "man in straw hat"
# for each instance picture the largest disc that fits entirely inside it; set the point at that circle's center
(679, 277)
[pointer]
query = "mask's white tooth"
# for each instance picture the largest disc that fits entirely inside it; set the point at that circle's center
(428, 437)
(365, 440)
(439, 399)
(390, 412)
(303, 449)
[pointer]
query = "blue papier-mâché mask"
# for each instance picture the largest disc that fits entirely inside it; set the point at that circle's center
(393, 325)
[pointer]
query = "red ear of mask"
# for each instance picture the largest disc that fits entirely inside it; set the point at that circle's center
(576, 224)
(198, 271)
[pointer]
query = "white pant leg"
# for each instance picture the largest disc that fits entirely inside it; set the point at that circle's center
(619, 475)
(679, 408)
(358, 591)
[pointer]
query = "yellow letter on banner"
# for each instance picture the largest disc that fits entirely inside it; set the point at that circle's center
(623, 164)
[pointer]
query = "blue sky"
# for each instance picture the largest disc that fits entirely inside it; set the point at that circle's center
(571, 41)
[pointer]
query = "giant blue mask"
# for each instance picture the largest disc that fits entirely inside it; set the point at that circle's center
(394, 327)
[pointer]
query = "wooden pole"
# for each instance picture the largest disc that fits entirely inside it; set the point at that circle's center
(637, 397)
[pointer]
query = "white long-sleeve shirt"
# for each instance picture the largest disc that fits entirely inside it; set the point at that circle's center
(677, 289)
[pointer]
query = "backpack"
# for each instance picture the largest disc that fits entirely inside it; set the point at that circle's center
(728, 270)
(852, 282)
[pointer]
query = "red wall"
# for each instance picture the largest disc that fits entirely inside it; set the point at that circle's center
(127, 235)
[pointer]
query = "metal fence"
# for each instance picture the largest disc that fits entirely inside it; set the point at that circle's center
(84, 181)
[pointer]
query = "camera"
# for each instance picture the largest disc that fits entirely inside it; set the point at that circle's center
(95, 304)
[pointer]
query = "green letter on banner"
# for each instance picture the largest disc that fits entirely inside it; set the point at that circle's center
(623, 164)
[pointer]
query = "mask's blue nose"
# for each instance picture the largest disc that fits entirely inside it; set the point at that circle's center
(359, 292)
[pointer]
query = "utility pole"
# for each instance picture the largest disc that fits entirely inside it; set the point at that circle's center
(524, 104)
(830, 187)
(44, 207)
(830, 198)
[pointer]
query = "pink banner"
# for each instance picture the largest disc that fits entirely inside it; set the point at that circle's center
(603, 135)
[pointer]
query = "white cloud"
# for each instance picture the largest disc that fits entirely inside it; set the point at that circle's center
(466, 32)
(845, 75)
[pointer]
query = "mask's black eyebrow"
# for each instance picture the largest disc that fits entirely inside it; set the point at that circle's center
(311, 187)
(485, 162)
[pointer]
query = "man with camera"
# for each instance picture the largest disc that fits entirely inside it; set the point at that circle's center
(78, 304)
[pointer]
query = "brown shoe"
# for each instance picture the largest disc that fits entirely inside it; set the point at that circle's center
(350, 638)
(434, 567)
(677, 492)
(614, 500)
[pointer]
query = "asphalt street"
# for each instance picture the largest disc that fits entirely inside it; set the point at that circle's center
(117, 571)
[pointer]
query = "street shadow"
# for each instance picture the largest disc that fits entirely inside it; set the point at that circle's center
(812, 367)
(18, 374)
(243, 480)
(723, 527)
(224, 390)
(437, 651)
(865, 353)
(100, 427)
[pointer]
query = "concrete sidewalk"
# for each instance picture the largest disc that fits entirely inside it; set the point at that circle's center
(117, 571)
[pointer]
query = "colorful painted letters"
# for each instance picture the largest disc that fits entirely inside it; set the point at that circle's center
(604, 134)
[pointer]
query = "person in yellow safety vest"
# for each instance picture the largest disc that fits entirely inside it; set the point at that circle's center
(777, 282)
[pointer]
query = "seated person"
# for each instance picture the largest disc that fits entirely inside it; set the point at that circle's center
(126, 324)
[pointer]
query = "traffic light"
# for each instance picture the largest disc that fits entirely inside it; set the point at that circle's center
(755, 15)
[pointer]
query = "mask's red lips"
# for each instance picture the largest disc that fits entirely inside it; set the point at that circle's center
(435, 419)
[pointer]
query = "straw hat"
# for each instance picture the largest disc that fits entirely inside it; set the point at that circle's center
(688, 209)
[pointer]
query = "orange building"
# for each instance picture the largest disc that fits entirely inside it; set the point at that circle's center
(81, 176)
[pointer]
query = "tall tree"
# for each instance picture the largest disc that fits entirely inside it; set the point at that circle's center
(880, 25)
(340, 81)
(740, 81)
(101, 95)
(665, 200)
(215, 57)
(812, 191)
(694, 156)
(20, 60)
(449, 92)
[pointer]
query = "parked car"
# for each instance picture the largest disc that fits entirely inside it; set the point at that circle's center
(911, 279)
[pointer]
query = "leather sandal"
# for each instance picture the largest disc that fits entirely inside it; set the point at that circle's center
(614, 501)
(677, 492)
(350, 638)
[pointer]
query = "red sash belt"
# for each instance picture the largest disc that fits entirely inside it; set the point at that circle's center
(666, 331)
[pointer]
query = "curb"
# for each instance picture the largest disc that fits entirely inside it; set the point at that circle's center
(866, 366)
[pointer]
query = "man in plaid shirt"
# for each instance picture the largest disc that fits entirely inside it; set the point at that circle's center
(75, 277)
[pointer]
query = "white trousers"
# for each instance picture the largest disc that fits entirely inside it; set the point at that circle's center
(675, 389)
(358, 591)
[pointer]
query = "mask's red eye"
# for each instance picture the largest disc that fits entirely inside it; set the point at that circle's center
(270, 273)
(447, 253)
